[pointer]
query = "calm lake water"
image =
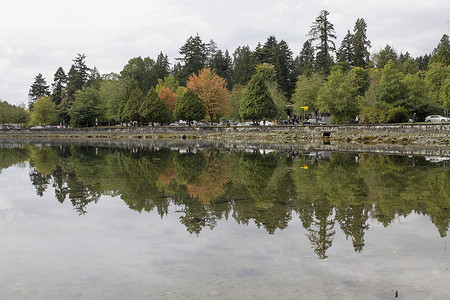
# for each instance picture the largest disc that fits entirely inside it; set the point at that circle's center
(138, 223)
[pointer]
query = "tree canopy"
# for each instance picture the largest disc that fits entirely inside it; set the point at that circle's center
(257, 103)
(211, 88)
(381, 77)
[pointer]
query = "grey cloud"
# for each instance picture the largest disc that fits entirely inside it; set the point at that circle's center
(44, 35)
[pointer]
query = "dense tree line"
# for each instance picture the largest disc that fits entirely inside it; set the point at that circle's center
(268, 190)
(12, 114)
(344, 81)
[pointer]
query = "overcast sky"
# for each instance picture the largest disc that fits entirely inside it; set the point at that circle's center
(40, 36)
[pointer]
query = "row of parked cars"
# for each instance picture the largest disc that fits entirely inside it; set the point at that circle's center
(262, 123)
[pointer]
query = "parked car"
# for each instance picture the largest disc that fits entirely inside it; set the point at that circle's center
(314, 122)
(436, 118)
(266, 123)
(436, 158)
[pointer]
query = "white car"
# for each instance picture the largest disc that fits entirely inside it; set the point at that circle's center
(436, 118)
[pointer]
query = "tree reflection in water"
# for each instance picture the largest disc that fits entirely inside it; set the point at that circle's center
(267, 189)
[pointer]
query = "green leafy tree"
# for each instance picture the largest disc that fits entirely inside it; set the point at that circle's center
(360, 44)
(417, 96)
(12, 114)
(391, 88)
(237, 96)
(111, 92)
(257, 103)
(306, 92)
(435, 76)
(410, 66)
(139, 69)
(167, 82)
(322, 32)
(339, 96)
(59, 85)
(44, 112)
(20, 114)
(190, 107)
(38, 89)
(5, 112)
(153, 109)
(360, 77)
(86, 108)
(445, 92)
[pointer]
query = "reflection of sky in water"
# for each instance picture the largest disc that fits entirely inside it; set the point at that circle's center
(112, 252)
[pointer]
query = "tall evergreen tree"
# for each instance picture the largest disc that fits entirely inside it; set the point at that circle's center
(345, 52)
(304, 63)
(267, 53)
(94, 78)
(58, 86)
(222, 65)
(244, 63)
(422, 61)
(38, 89)
(211, 50)
(195, 56)
(78, 75)
(322, 32)
(441, 54)
(285, 72)
(82, 71)
(161, 68)
(280, 56)
(360, 44)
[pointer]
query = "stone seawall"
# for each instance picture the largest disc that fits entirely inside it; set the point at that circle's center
(404, 139)
(412, 133)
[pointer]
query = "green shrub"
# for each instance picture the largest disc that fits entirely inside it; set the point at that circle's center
(397, 114)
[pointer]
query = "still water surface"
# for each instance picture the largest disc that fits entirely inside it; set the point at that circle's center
(115, 223)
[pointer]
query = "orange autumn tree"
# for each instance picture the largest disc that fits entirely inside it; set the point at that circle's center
(211, 88)
(169, 98)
